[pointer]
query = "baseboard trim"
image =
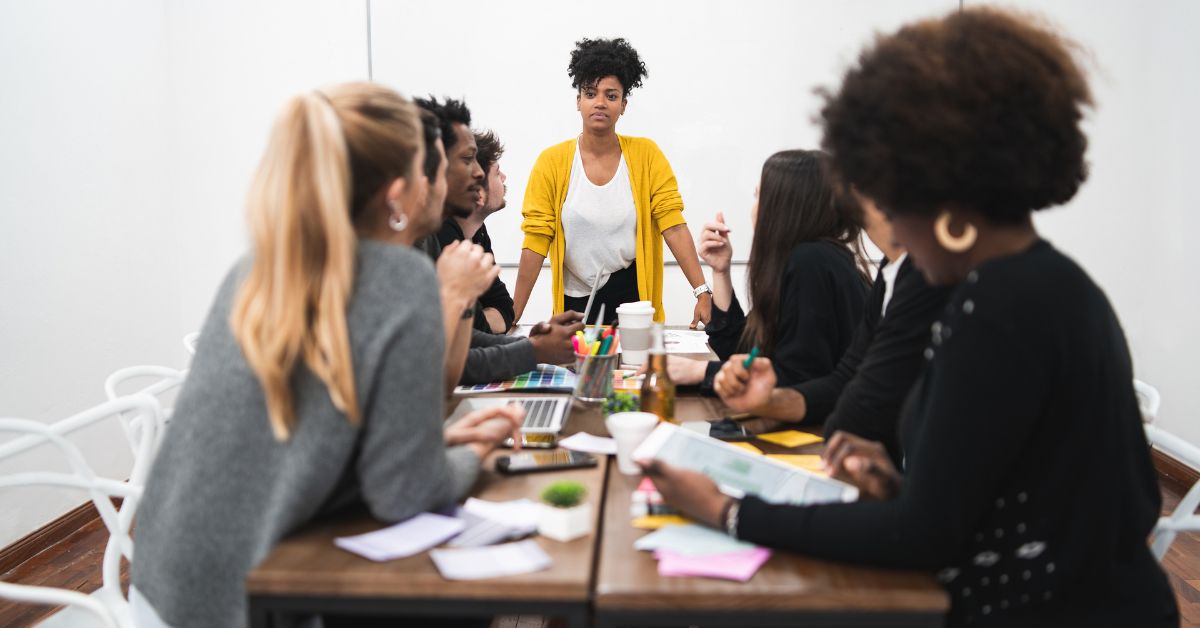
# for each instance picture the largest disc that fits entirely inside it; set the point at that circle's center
(1173, 471)
(46, 536)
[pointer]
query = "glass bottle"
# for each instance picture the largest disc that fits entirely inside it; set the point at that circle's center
(658, 391)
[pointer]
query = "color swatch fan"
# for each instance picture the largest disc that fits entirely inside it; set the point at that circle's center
(546, 377)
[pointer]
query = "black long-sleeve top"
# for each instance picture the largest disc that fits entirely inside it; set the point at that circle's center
(1028, 480)
(823, 296)
(497, 295)
(864, 392)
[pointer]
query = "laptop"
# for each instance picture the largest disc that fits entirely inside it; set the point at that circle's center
(544, 414)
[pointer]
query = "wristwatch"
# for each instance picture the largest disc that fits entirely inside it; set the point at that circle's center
(701, 289)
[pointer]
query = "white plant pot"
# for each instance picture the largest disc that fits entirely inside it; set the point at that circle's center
(565, 524)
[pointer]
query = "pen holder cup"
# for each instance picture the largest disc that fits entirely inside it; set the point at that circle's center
(594, 376)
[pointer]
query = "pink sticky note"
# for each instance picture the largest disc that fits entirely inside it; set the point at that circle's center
(739, 566)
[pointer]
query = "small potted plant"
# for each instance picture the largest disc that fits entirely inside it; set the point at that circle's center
(622, 401)
(565, 516)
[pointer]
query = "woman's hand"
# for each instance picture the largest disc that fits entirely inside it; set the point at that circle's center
(714, 246)
(682, 371)
(465, 270)
(863, 463)
(483, 429)
(689, 492)
(741, 389)
(702, 313)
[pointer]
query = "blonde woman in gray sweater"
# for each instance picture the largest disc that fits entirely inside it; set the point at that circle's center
(312, 385)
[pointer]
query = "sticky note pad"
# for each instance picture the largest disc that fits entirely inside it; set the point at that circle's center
(748, 447)
(654, 522)
(808, 462)
(791, 438)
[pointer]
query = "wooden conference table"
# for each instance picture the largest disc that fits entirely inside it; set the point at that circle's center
(599, 577)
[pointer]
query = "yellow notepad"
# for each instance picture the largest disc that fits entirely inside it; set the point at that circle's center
(654, 522)
(791, 438)
(748, 447)
(809, 462)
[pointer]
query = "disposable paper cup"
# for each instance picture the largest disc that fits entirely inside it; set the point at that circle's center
(635, 319)
(629, 429)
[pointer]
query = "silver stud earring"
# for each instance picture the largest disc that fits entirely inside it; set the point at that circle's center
(398, 221)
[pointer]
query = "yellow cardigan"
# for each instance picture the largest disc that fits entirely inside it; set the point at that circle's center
(655, 195)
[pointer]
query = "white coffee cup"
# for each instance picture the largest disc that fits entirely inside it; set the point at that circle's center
(634, 320)
(629, 429)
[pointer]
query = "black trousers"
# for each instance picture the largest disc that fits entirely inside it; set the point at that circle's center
(621, 287)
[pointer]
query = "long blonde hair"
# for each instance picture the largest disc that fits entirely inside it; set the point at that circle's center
(329, 159)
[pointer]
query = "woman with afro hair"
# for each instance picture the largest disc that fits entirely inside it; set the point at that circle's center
(1026, 483)
(610, 196)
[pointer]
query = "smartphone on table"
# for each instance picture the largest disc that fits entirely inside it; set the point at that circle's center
(531, 461)
(723, 429)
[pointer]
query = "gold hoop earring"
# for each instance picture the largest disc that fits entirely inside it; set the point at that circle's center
(960, 244)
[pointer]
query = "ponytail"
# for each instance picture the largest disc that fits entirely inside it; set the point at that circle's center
(292, 305)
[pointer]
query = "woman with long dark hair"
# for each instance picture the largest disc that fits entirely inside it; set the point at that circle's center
(807, 277)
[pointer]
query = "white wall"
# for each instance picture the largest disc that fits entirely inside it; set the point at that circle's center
(88, 263)
(130, 132)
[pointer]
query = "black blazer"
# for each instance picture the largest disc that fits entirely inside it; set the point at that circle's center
(864, 393)
(823, 299)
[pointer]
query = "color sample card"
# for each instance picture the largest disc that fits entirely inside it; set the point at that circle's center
(544, 377)
(627, 380)
(808, 462)
(791, 438)
(654, 522)
(748, 447)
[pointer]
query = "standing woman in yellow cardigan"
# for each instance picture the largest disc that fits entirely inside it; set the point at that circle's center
(596, 204)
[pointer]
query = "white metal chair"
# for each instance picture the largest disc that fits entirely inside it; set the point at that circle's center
(189, 342)
(108, 605)
(164, 380)
(1184, 518)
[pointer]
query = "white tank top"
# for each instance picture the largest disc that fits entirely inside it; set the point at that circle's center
(600, 226)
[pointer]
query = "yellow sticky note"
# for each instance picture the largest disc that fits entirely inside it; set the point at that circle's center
(791, 438)
(808, 462)
(654, 522)
(748, 447)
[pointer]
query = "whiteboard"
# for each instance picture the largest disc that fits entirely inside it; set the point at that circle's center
(729, 83)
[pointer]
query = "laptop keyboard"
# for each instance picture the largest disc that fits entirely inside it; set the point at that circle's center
(539, 413)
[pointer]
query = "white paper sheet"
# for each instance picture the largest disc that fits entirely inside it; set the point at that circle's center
(685, 341)
(476, 563)
(583, 441)
(403, 539)
(691, 540)
(521, 514)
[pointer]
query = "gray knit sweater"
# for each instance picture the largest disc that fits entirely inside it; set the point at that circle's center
(223, 492)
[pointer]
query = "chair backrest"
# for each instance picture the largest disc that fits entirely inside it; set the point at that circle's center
(163, 380)
(189, 342)
(1148, 400)
(111, 608)
(1184, 517)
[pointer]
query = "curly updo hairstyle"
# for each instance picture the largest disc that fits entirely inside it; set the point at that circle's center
(594, 59)
(980, 109)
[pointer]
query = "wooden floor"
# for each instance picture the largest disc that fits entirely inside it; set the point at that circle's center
(75, 563)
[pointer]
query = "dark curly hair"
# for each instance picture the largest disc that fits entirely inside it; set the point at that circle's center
(594, 59)
(431, 131)
(979, 109)
(490, 149)
(447, 114)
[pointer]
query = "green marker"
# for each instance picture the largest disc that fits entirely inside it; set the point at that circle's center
(750, 358)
